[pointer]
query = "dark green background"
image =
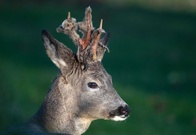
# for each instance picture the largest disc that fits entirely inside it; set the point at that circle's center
(152, 61)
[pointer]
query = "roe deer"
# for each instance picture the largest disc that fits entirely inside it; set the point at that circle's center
(83, 90)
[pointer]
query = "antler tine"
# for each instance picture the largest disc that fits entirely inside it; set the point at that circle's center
(101, 24)
(97, 35)
(68, 16)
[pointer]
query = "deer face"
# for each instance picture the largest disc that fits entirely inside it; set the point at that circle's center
(98, 99)
(91, 87)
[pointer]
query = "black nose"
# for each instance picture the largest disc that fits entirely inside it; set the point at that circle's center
(124, 110)
(121, 111)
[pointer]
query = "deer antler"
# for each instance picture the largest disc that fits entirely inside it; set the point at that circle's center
(86, 28)
(68, 16)
(90, 37)
(69, 27)
(96, 37)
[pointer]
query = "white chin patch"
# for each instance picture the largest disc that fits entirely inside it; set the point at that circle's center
(118, 118)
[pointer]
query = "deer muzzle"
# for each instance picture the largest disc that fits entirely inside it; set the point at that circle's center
(121, 113)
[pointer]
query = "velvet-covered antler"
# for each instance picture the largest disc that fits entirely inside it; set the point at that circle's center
(86, 27)
(90, 47)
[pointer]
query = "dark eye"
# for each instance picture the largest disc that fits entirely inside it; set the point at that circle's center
(92, 85)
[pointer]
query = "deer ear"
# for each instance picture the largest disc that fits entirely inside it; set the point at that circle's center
(102, 47)
(60, 55)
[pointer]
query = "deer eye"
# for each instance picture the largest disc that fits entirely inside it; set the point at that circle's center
(92, 85)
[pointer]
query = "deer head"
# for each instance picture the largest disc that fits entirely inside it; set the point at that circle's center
(83, 90)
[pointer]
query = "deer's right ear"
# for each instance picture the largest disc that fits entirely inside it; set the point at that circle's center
(60, 55)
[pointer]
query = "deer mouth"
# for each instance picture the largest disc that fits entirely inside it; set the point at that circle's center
(120, 114)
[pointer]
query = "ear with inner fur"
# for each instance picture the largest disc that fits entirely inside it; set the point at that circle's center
(60, 55)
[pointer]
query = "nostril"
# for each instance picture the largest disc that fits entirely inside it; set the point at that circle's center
(124, 110)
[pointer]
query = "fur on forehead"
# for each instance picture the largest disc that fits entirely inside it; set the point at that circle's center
(96, 70)
(95, 66)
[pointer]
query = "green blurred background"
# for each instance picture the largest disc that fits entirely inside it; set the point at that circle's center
(152, 61)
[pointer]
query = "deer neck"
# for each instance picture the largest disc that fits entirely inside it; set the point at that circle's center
(59, 112)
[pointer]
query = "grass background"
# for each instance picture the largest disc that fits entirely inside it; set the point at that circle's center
(152, 62)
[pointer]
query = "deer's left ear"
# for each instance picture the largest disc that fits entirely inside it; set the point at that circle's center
(60, 55)
(102, 47)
